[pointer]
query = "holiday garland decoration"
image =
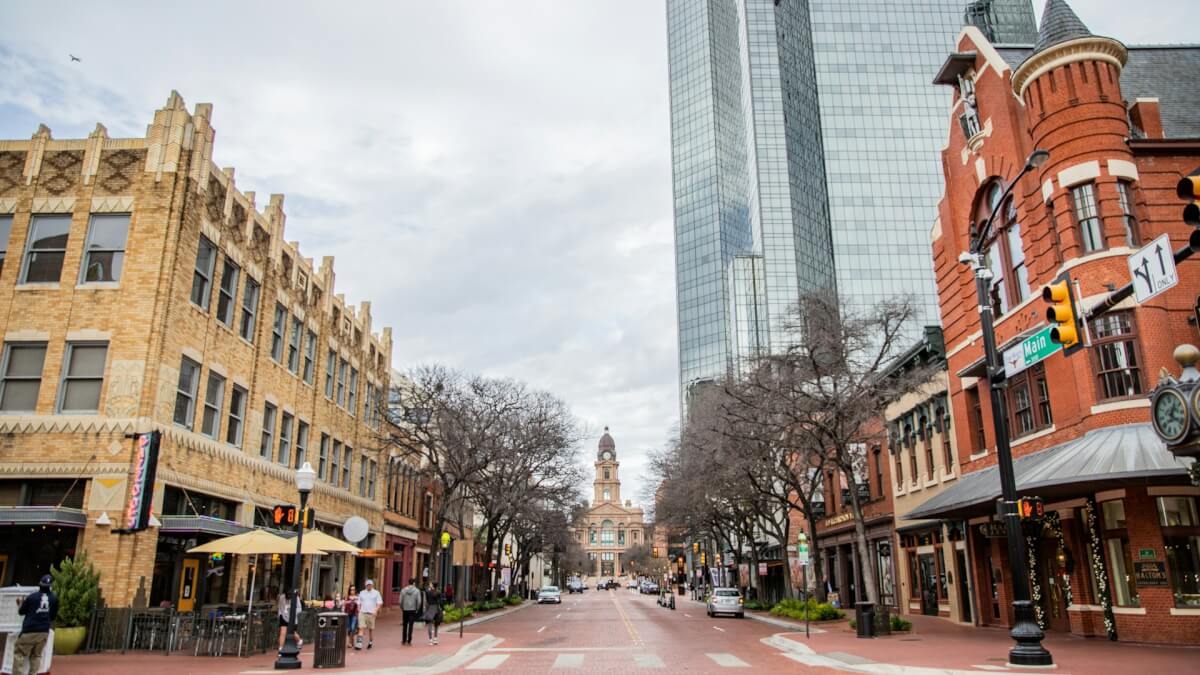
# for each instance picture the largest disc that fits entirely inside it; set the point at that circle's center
(1035, 589)
(1053, 523)
(1096, 560)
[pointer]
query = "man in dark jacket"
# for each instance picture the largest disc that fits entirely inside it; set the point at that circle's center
(39, 609)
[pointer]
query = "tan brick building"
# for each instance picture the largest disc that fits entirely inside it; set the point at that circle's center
(143, 291)
(608, 527)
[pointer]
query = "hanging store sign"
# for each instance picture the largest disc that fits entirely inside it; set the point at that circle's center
(838, 519)
(141, 484)
(1150, 574)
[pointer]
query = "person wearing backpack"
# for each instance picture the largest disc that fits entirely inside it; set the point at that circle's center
(39, 609)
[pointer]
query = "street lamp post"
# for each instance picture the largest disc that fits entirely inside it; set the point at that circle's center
(289, 655)
(1028, 650)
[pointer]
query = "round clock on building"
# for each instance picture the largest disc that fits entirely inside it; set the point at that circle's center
(606, 455)
(1170, 415)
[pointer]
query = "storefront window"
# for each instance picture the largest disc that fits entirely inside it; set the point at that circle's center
(1181, 542)
(914, 590)
(1120, 562)
(941, 559)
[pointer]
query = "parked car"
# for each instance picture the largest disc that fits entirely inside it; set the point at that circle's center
(649, 588)
(608, 584)
(549, 594)
(633, 583)
(575, 586)
(726, 601)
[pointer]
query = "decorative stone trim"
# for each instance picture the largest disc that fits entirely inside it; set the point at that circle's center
(1075, 607)
(1122, 169)
(1109, 495)
(88, 334)
(52, 205)
(26, 335)
(21, 469)
(1173, 490)
(66, 424)
(1130, 404)
(1047, 190)
(1034, 436)
(1077, 174)
(1089, 48)
(112, 204)
(8, 205)
(1185, 611)
(1141, 611)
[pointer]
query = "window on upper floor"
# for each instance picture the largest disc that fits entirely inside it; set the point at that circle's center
(1128, 215)
(83, 377)
(1114, 338)
(104, 251)
(341, 381)
(371, 477)
(285, 439)
(323, 457)
(943, 427)
(267, 444)
(362, 476)
(1005, 255)
(334, 462)
(1087, 217)
(206, 260)
(347, 465)
(352, 394)
(185, 392)
(293, 359)
(5, 232)
(330, 365)
(227, 293)
(278, 329)
(214, 400)
(975, 433)
(877, 453)
(237, 416)
(1029, 401)
(310, 355)
(23, 364)
(301, 444)
(46, 250)
(249, 309)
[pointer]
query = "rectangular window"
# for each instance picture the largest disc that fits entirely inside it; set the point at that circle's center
(371, 479)
(185, 392)
(362, 476)
(341, 382)
(277, 331)
(310, 355)
(1016, 259)
(23, 362)
(301, 443)
(268, 432)
(206, 259)
(975, 421)
(83, 376)
(5, 233)
(347, 461)
(323, 459)
(1087, 215)
(998, 293)
(330, 364)
(1029, 401)
(285, 440)
(237, 416)
(1125, 196)
(1181, 542)
(249, 310)
(46, 250)
(1116, 355)
(104, 250)
(227, 293)
(352, 399)
(214, 399)
(1116, 545)
(294, 346)
(334, 476)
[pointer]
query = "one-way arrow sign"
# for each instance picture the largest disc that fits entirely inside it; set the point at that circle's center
(1152, 269)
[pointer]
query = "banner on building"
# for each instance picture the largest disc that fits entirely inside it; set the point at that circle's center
(141, 483)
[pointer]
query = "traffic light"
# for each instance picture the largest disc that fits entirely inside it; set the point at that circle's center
(703, 558)
(287, 515)
(445, 540)
(1061, 312)
(1189, 189)
(695, 547)
(1031, 508)
(508, 550)
(654, 552)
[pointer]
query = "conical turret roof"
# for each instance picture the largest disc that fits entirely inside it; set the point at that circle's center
(1059, 24)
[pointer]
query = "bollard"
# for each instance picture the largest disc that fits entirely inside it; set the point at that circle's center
(672, 603)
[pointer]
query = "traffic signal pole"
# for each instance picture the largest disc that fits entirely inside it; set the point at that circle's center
(1110, 301)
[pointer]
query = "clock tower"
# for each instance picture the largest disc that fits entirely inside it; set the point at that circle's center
(607, 485)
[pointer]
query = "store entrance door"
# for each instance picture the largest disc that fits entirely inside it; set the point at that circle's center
(188, 582)
(929, 580)
(1051, 577)
(964, 595)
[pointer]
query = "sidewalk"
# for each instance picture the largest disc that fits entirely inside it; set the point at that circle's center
(937, 645)
(387, 654)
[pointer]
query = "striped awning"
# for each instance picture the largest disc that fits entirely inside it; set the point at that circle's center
(1109, 455)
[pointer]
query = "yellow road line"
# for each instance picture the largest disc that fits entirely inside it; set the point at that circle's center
(633, 633)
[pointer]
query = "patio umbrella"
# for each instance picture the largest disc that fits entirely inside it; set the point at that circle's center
(254, 542)
(330, 544)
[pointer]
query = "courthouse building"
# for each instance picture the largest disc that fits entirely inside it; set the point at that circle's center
(1118, 554)
(142, 291)
(609, 527)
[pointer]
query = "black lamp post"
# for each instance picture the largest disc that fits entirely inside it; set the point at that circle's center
(289, 655)
(1028, 650)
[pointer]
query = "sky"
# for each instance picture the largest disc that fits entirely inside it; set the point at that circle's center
(493, 176)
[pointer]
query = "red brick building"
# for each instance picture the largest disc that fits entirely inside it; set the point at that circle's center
(1119, 553)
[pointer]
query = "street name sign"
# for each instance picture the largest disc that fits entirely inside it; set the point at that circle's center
(1035, 348)
(1152, 269)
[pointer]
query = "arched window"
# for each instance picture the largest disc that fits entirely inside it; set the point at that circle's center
(1005, 255)
(606, 532)
(607, 494)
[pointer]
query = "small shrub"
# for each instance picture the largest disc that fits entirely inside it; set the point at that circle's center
(899, 624)
(814, 611)
(77, 585)
(514, 600)
(755, 604)
(853, 624)
(455, 614)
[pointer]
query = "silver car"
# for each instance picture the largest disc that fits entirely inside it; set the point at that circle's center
(549, 594)
(726, 601)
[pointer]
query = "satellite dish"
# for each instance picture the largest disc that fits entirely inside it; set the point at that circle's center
(355, 529)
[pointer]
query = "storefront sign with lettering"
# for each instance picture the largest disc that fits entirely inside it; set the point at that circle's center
(838, 519)
(1150, 573)
(1146, 554)
(993, 529)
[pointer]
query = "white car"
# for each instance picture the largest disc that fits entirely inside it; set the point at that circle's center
(549, 594)
(726, 601)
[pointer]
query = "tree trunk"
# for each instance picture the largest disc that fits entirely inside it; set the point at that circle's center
(866, 570)
(816, 580)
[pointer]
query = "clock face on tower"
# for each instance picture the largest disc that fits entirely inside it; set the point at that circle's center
(606, 455)
(1170, 415)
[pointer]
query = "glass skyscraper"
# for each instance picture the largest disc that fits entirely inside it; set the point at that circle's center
(804, 139)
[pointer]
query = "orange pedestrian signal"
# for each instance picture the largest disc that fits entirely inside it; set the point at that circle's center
(1031, 508)
(286, 515)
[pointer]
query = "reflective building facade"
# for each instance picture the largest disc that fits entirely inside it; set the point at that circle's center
(804, 151)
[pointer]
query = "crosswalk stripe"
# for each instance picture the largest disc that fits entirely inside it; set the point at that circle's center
(728, 661)
(648, 661)
(488, 662)
(569, 661)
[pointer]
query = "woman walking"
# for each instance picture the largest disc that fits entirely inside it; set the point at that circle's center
(433, 612)
(350, 607)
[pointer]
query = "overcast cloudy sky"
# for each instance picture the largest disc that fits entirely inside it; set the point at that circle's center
(493, 176)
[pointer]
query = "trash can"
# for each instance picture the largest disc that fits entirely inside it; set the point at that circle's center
(864, 619)
(329, 648)
(883, 620)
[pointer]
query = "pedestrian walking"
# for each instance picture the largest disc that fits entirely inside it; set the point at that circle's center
(350, 607)
(39, 609)
(284, 609)
(433, 612)
(369, 604)
(411, 601)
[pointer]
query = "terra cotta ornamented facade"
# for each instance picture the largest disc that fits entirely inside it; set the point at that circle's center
(609, 528)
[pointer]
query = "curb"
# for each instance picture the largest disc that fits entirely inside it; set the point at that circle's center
(784, 623)
(493, 615)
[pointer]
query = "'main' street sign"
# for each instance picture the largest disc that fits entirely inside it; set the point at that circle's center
(1035, 348)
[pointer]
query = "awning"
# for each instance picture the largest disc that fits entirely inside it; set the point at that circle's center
(42, 515)
(955, 64)
(200, 524)
(1108, 455)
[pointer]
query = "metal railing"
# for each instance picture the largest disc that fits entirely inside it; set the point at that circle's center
(211, 632)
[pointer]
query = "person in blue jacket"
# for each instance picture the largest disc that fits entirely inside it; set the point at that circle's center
(39, 609)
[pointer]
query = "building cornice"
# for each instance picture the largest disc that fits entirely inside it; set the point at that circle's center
(1090, 48)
